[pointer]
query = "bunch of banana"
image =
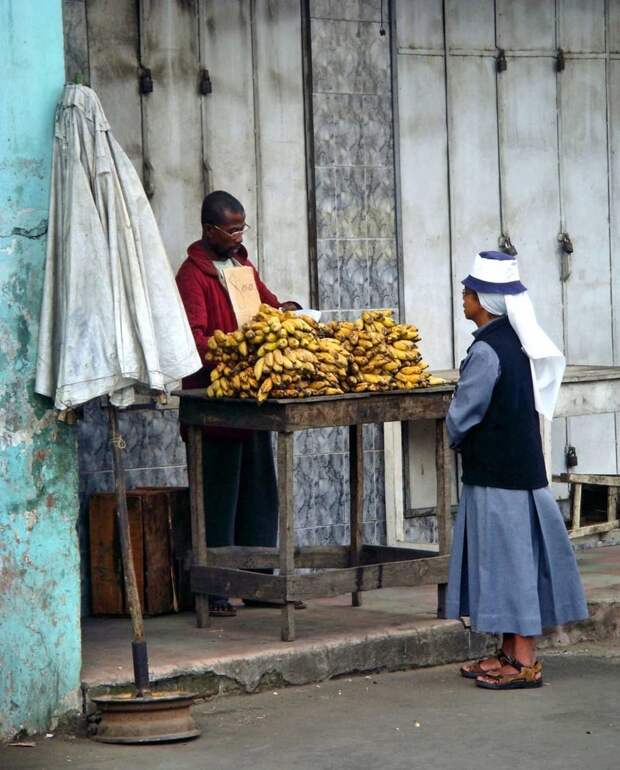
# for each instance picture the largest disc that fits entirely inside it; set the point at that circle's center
(282, 355)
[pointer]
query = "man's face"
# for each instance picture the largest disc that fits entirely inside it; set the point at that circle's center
(227, 235)
(471, 304)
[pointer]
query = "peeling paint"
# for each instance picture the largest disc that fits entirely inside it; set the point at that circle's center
(39, 556)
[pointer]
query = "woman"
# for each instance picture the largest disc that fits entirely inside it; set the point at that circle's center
(512, 568)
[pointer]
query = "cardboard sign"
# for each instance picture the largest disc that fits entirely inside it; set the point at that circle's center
(242, 292)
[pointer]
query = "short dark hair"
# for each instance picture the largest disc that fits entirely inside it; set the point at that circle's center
(216, 204)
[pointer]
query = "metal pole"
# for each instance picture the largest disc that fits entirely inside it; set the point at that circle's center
(138, 644)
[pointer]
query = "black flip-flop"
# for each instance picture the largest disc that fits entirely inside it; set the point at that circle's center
(221, 609)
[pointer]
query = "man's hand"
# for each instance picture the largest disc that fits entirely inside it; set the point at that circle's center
(290, 306)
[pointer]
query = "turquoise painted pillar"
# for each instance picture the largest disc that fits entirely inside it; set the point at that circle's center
(39, 556)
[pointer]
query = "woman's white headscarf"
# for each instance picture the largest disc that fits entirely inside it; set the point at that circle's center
(495, 279)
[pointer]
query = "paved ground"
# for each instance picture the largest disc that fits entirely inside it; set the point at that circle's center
(248, 646)
(422, 719)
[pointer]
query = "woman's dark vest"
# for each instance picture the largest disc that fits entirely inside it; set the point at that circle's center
(505, 449)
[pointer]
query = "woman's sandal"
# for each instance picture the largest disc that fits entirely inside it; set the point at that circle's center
(526, 677)
(221, 609)
(476, 670)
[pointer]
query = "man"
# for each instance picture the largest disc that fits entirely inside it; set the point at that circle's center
(512, 568)
(241, 500)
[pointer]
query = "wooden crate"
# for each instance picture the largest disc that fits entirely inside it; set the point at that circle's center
(160, 539)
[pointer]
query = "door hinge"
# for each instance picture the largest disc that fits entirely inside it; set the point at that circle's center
(560, 61)
(205, 86)
(506, 245)
(501, 63)
(146, 81)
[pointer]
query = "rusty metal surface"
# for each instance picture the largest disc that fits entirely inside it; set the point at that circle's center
(159, 718)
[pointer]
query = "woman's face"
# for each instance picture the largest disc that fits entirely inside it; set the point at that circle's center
(471, 304)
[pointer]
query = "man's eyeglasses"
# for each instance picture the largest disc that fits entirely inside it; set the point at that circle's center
(232, 233)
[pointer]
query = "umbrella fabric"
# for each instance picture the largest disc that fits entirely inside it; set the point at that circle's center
(112, 318)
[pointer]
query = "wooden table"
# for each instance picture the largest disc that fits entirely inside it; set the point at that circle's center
(353, 568)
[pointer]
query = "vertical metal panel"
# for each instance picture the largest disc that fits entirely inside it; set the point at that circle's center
(525, 25)
(419, 24)
(426, 239)
(470, 25)
(171, 114)
(424, 185)
(113, 51)
(530, 184)
(76, 41)
(228, 115)
(584, 188)
(613, 25)
(613, 78)
(583, 144)
(474, 185)
(582, 25)
(283, 195)
(531, 194)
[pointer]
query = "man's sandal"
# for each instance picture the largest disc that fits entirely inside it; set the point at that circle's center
(220, 608)
(526, 677)
(475, 669)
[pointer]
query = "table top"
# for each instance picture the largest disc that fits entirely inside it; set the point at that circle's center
(351, 408)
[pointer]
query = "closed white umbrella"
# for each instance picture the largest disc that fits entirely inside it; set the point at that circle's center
(112, 322)
(112, 318)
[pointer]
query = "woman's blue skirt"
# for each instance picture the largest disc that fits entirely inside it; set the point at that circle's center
(512, 568)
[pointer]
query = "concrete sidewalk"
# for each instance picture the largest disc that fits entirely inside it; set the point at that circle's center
(395, 721)
(395, 629)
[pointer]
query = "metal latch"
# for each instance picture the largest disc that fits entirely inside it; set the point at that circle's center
(566, 243)
(571, 457)
(567, 249)
(505, 245)
(146, 81)
(501, 64)
(204, 84)
(560, 61)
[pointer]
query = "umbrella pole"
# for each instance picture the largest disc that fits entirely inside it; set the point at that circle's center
(138, 644)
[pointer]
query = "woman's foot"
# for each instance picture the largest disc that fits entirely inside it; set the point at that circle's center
(512, 675)
(482, 666)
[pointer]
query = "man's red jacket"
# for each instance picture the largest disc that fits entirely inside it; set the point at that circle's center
(208, 307)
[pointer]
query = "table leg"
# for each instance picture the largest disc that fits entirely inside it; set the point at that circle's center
(443, 462)
(197, 509)
(356, 485)
(286, 522)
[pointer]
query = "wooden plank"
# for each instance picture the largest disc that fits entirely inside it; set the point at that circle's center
(443, 465)
(594, 529)
(308, 557)
(285, 527)
(414, 572)
(613, 127)
(612, 504)
(356, 486)
(377, 554)
(234, 582)
(575, 519)
(613, 30)
(595, 479)
(306, 414)
(157, 563)
(171, 122)
(196, 502)
(595, 398)
(228, 112)
(76, 41)
(280, 148)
